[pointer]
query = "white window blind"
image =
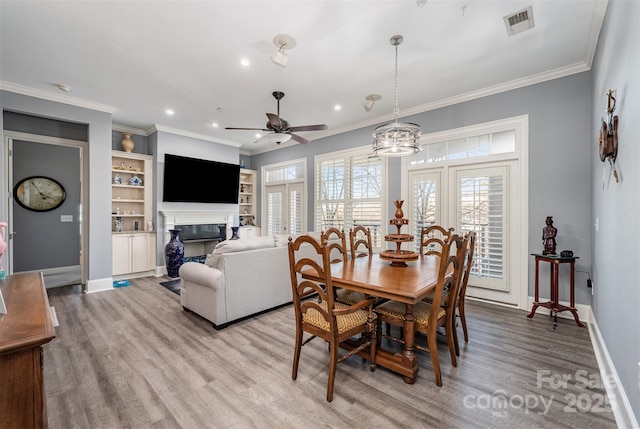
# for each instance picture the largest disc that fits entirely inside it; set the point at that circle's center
(482, 208)
(274, 211)
(425, 202)
(349, 192)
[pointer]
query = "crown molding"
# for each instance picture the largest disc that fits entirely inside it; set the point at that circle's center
(184, 133)
(597, 22)
(130, 130)
(457, 99)
(59, 98)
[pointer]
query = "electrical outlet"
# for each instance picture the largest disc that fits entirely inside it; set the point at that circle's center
(597, 224)
(66, 218)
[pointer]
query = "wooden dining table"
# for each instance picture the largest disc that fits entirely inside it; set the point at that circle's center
(376, 277)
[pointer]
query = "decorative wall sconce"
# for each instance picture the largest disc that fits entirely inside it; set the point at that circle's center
(608, 141)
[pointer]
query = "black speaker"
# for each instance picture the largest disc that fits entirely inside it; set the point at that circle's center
(566, 254)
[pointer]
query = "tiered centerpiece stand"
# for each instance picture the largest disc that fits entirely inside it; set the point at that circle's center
(399, 257)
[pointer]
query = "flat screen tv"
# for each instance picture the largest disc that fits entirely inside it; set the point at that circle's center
(192, 180)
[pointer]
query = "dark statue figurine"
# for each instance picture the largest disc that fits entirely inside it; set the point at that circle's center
(549, 237)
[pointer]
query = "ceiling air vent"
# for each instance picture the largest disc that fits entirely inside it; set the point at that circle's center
(519, 21)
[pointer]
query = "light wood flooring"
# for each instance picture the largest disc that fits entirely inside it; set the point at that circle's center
(132, 358)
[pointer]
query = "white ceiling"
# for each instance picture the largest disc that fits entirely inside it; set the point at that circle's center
(139, 58)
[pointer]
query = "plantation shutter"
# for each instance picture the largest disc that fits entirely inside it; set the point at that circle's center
(481, 207)
(425, 202)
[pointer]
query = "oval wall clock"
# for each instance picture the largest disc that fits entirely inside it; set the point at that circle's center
(39, 193)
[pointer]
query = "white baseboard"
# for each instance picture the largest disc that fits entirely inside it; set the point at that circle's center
(620, 404)
(584, 311)
(99, 285)
(161, 271)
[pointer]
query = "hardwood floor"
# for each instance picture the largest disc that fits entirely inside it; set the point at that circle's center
(132, 358)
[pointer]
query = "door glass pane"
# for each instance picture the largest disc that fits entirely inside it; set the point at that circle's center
(424, 202)
(274, 212)
(481, 208)
(295, 210)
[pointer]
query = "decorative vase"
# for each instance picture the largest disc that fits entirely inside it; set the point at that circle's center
(127, 143)
(234, 233)
(399, 213)
(174, 253)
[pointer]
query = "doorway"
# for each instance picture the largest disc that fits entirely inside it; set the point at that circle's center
(49, 241)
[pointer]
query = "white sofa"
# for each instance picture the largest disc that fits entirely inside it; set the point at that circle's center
(240, 278)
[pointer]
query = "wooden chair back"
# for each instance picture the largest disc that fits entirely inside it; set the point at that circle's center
(360, 240)
(336, 242)
(432, 239)
(449, 274)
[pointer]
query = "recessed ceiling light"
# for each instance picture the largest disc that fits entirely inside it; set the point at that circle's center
(337, 107)
(245, 62)
(169, 112)
(64, 88)
(215, 125)
(258, 135)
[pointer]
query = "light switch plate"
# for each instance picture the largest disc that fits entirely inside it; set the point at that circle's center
(66, 218)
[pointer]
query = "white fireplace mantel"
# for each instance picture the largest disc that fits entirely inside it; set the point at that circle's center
(196, 217)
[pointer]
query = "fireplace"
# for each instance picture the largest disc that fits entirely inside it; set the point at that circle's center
(200, 230)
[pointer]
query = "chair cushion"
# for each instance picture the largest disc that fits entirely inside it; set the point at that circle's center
(395, 310)
(349, 297)
(345, 322)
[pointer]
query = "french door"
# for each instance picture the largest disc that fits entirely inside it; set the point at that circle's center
(284, 208)
(476, 198)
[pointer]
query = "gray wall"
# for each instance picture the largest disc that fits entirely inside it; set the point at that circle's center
(559, 165)
(162, 142)
(98, 155)
(616, 246)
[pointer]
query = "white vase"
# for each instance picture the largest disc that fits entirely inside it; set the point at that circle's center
(127, 143)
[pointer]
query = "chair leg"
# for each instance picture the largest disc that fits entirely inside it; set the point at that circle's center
(433, 351)
(296, 353)
(454, 329)
(378, 332)
(450, 333)
(373, 343)
(333, 361)
(463, 320)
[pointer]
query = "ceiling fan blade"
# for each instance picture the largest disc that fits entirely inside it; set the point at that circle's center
(309, 128)
(275, 121)
(298, 138)
(253, 129)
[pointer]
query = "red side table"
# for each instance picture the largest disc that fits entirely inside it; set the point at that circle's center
(553, 305)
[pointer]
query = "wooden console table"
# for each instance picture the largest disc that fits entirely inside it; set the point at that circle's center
(25, 328)
(553, 304)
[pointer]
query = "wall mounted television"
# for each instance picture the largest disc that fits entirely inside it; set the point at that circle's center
(192, 180)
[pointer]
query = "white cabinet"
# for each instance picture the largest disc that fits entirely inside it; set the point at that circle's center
(133, 239)
(247, 198)
(133, 252)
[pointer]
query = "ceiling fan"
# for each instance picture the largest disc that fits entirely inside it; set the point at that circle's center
(282, 131)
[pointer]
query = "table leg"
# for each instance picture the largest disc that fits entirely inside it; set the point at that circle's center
(409, 338)
(535, 300)
(555, 268)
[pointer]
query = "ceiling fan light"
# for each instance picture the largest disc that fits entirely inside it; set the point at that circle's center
(276, 138)
(280, 58)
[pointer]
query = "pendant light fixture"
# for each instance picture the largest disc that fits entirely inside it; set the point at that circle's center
(396, 138)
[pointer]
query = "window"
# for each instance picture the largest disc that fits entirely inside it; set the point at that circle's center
(349, 192)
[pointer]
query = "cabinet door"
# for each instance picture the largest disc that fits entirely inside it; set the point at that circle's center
(140, 252)
(121, 254)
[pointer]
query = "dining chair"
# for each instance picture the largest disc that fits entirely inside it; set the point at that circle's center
(432, 239)
(360, 244)
(428, 317)
(325, 318)
(462, 290)
(336, 243)
(360, 241)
